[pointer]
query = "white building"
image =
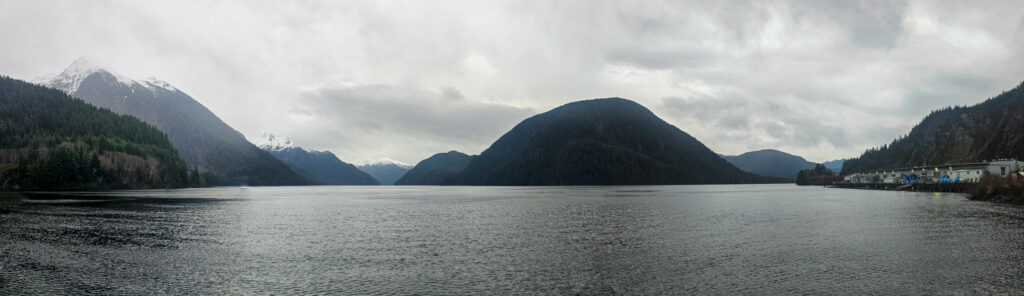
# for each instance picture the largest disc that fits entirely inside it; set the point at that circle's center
(963, 172)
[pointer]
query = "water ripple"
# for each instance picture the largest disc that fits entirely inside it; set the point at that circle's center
(719, 240)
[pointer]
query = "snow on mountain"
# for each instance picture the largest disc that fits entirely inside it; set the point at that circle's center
(321, 167)
(152, 82)
(269, 141)
(383, 161)
(385, 170)
(71, 78)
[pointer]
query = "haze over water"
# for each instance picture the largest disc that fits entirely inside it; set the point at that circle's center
(725, 239)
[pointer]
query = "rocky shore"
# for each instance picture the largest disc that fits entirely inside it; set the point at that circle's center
(1000, 198)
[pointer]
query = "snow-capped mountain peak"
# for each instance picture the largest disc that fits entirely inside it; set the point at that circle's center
(81, 66)
(269, 141)
(71, 78)
(383, 161)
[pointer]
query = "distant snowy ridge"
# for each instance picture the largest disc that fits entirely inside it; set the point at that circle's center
(384, 169)
(383, 161)
(323, 168)
(71, 78)
(269, 141)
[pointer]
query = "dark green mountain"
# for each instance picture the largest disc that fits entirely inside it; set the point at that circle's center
(51, 141)
(989, 130)
(769, 162)
(599, 142)
(203, 140)
(322, 167)
(436, 169)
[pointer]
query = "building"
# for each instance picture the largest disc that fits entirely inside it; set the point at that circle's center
(963, 172)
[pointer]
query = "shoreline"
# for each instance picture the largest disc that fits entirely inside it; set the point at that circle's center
(999, 198)
(967, 188)
(922, 187)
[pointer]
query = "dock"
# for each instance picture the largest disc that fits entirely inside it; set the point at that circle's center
(925, 187)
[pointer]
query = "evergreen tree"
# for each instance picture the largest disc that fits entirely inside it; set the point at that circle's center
(60, 140)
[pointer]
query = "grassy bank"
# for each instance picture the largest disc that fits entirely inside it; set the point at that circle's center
(999, 189)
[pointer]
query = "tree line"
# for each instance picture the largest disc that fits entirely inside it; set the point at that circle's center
(60, 140)
(819, 175)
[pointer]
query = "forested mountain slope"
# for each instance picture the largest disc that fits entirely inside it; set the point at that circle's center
(51, 141)
(989, 130)
(203, 140)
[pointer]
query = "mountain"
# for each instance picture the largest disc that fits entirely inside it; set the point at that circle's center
(834, 165)
(435, 169)
(610, 141)
(992, 129)
(320, 167)
(204, 141)
(385, 170)
(51, 141)
(770, 162)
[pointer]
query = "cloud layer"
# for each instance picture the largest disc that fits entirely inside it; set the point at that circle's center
(389, 118)
(369, 79)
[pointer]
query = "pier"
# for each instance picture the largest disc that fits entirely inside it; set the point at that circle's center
(927, 187)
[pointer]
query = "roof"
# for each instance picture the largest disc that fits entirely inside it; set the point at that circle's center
(956, 165)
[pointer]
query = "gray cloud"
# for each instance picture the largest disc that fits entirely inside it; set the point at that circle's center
(947, 89)
(443, 115)
(755, 124)
(822, 79)
(391, 120)
(875, 23)
(1019, 34)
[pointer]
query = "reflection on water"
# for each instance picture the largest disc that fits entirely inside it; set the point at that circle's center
(751, 239)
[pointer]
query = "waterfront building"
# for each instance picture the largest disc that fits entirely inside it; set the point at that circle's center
(962, 172)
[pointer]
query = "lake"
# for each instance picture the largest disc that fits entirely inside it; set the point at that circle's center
(721, 239)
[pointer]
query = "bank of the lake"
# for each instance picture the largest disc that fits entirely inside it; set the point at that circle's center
(1009, 190)
(999, 198)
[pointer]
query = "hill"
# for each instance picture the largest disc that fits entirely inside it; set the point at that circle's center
(51, 141)
(322, 167)
(992, 129)
(769, 162)
(610, 141)
(436, 169)
(204, 141)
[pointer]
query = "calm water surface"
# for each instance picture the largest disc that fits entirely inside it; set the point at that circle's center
(749, 239)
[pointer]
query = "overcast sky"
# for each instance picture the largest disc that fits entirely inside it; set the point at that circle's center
(405, 80)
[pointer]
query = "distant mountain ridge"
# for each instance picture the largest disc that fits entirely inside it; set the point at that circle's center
(204, 141)
(988, 130)
(834, 165)
(437, 169)
(610, 141)
(323, 168)
(770, 162)
(385, 170)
